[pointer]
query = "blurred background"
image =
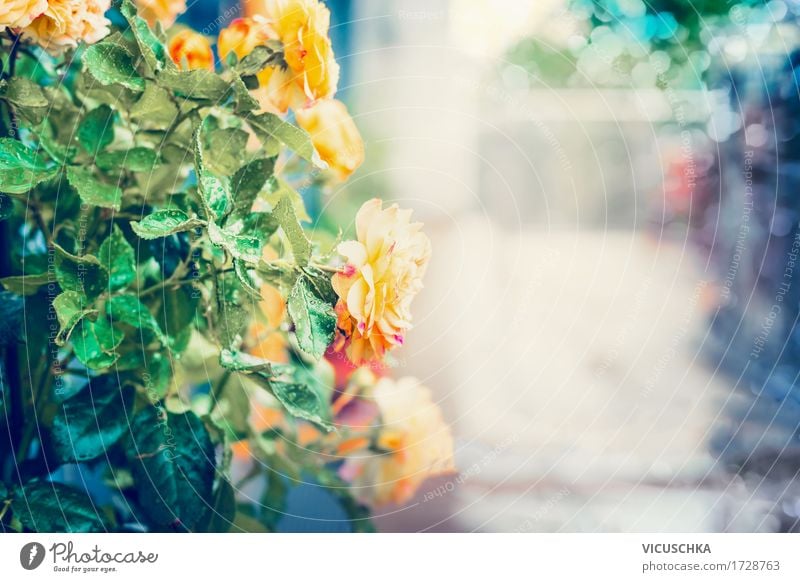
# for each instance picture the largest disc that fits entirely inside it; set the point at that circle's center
(610, 315)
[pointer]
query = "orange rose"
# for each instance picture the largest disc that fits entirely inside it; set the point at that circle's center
(191, 50)
(335, 136)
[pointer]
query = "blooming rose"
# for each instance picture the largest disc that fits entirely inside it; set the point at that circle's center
(335, 136)
(414, 440)
(67, 22)
(382, 275)
(163, 11)
(20, 13)
(191, 50)
(312, 73)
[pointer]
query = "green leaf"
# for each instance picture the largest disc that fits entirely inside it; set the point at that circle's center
(314, 320)
(27, 98)
(119, 259)
(164, 223)
(91, 190)
(129, 310)
(223, 509)
(285, 215)
(155, 109)
(300, 401)
(195, 84)
(214, 192)
(95, 343)
(247, 182)
(255, 61)
(92, 420)
(81, 274)
(96, 130)
(243, 362)
(25, 284)
(22, 168)
(278, 188)
(242, 271)
(138, 159)
(152, 49)
(229, 146)
(269, 126)
(112, 63)
(177, 315)
(245, 247)
(70, 308)
(244, 100)
(47, 507)
(173, 464)
(321, 283)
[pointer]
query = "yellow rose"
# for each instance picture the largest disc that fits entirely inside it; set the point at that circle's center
(20, 13)
(383, 274)
(312, 72)
(163, 11)
(414, 440)
(191, 50)
(335, 136)
(65, 23)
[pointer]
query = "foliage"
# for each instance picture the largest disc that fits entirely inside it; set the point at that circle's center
(143, 212)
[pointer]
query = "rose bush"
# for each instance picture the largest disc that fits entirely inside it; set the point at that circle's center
(172, 329)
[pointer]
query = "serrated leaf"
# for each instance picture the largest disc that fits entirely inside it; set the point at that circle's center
(138, 159)
(155, 109)
(118, 258)
(129, 310)
(111, 63)
(285, 215)
(25, 284)
(89, 422)
(152, 49)
(70, 308)
(244, 100)
(214, 192)
(237, 361)
(300, 401)
(96, 129)
(255, 61)
(173, 464)
(244, 247)
(27, 98)
(95, 343)
(278, 188)
(47, 507)
(247, 182)
(195, 84)
(314, 320)
(91, 190)
(22, 168)
(228, 147)
(82, 274)
(164, 223)
(270, 126)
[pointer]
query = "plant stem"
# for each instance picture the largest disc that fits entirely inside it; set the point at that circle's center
(327, 268)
